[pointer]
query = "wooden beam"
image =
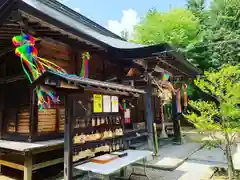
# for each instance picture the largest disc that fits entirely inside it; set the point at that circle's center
(12, 165)
(47, 163)
(10, 79)
(132, 78)
(171, 66)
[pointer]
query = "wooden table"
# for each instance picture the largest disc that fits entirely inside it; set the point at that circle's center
(107, 169)
(29, 157)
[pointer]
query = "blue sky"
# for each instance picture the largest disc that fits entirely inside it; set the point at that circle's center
(118, 15)
(103, 10)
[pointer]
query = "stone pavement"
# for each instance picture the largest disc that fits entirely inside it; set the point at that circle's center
(171, 156)
(189, 161)
(189, 170)
(215, 157)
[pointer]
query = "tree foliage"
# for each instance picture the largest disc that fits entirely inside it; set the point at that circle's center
(209, 37)
(224, 117)
(197, 7)
(220, 36)
(224, 85)
(178, 26)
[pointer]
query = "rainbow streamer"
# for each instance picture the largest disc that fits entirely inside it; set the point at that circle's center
(178, 101)
(34, 66)
(84, 69)
(165, 77)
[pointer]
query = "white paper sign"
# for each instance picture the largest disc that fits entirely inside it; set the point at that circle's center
(106, 103)
(115, 107)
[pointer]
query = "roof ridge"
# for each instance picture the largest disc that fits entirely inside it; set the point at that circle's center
(80, 18)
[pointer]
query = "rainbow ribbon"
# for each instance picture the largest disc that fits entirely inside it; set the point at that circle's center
(84, 69)
(165, 77)
(34, 66)
(178, 101)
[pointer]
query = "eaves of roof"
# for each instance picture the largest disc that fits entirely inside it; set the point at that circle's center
(78, 17)
(60, 14)
(70, 21)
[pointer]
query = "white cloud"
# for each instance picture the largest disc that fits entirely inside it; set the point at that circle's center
(76, 9)
(127, 23)
(63, 1)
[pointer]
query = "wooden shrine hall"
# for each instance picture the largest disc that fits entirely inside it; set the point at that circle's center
(132, 72)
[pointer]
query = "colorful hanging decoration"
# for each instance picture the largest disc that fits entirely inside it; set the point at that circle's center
(126, 111)
(165, 77)
(185, 97)
(178, 101)
(84, 69)
(34, 66)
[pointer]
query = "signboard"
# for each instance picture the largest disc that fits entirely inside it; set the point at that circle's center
(106, 103)
(115, 107)
(97, 103)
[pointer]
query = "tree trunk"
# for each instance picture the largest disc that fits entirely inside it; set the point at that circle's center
(229, 157)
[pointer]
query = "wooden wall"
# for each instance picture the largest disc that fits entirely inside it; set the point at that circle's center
(15, 97)
(58, 53)
(16, 113)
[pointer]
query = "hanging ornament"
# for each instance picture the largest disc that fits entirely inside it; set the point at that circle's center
(34, 66)
(127, 116)
(84, 69)
(178, 101)
(165, 77)
(185, 97)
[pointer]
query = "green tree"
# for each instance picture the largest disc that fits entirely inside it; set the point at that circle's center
(197, 7)
(220, 30)
(177, 26)
(224, 116)
(224, 23)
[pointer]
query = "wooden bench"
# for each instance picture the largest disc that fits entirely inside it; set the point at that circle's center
(30, 157)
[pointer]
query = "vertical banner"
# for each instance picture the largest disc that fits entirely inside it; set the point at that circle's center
(97, 103)
(178, 101)
(106, 103)
(127, 116)
(84, 68)
(185, 98)
(115, 107)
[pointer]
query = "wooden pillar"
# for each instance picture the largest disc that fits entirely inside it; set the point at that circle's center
(2, 99)
(149, 113)
(69, 105)
(27, 173)
(1, 110)
(33, 114)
